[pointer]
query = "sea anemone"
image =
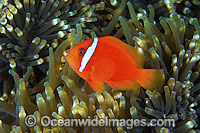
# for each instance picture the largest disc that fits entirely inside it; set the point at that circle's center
(37, 80)
(29, 28)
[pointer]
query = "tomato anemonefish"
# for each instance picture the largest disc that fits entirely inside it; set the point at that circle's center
(111, 61)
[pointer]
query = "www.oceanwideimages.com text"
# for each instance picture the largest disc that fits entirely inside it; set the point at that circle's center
(99, 122)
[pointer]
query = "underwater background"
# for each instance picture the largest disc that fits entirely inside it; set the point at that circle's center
(36, 79)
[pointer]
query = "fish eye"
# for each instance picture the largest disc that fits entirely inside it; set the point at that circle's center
(82, 51)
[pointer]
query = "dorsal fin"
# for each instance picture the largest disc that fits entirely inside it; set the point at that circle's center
(136, 54)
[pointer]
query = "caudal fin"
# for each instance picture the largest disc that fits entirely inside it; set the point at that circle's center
(151, 79)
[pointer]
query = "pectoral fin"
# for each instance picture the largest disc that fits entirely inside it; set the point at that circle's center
(103, 70)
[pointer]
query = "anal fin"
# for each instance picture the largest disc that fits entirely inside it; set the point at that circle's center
(124, 85)
(97, 86)
(133, 89)
(151, 79)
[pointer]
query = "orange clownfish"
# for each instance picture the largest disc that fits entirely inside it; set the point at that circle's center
(111, 61)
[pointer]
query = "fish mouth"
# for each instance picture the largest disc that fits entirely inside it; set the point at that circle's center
(68, 57)
(69, 60)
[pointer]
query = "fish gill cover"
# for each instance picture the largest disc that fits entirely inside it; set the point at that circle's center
(35, 78)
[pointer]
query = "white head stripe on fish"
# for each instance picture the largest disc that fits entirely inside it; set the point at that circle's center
(88, 54)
